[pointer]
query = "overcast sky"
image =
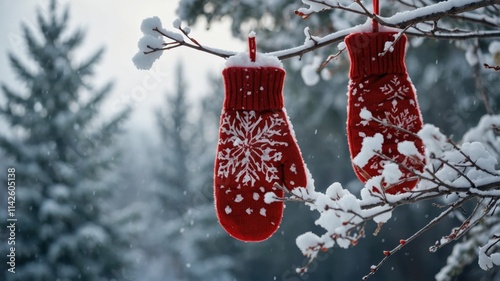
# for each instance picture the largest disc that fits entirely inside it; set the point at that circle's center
(116, 26)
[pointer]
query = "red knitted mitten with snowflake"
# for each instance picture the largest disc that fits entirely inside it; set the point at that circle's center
(382, 105)
(256, 150)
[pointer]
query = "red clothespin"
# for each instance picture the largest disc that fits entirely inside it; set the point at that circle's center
(376, 11)
(252, 46)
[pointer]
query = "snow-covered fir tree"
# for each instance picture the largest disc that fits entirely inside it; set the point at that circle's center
(182, 192)
(59, 147)
(177, 134)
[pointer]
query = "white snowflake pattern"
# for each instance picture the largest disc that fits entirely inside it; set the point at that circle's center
(398, 95)
(250, 151)
(401, 119)
(395, 90)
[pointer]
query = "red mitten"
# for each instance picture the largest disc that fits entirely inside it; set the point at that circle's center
(256, 150)
(380, 85)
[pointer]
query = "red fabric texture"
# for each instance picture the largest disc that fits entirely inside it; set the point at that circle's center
(253, 88)
(380, 84)
(256, 150)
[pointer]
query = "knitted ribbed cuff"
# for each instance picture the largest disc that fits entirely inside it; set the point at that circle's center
(253, 88)
(364, 53)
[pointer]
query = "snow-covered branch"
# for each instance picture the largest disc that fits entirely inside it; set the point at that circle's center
(422, 21)
(429, 12)
(153, 43)
(453, 174)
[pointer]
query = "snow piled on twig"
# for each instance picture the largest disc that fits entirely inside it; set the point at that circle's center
(465, 170)
(341, 212)
(145, 61)
(148, 25)
(487, 133)
(485, 259)
(440, 7)
(477, 167)
(151, 39)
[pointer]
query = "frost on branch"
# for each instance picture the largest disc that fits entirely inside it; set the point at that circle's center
(454, 173)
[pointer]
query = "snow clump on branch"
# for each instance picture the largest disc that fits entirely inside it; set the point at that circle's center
(151, 38)
(152, 45)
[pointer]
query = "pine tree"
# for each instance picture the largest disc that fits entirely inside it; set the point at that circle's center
(208, 242)
(176, 132)
(184, 190)
(58, 147)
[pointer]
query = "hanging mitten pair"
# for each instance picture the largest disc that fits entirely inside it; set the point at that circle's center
(257, 149)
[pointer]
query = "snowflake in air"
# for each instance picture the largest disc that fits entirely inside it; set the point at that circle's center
(250, 149)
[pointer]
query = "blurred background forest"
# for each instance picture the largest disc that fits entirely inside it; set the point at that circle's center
(101, 196)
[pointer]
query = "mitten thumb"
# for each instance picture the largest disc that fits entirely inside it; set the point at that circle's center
(294, 169)
(294, 173)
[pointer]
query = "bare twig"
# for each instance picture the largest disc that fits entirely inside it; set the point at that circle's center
(195, 45)
(398, 37)
(494, 67)
(417, 234)
(328, 59)
(476, 74)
